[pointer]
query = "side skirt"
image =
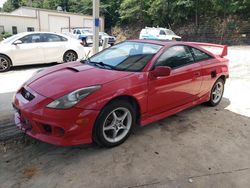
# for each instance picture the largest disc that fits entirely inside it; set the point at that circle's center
(151, 119)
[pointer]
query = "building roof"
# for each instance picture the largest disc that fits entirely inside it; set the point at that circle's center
(15, 15)
(49, 10)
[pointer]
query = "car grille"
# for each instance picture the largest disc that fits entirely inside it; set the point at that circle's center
(26, 94)
(111, 39)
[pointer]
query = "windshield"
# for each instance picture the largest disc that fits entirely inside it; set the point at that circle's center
(86, 31)
(127, 56)
(104, 34)
(9, 39)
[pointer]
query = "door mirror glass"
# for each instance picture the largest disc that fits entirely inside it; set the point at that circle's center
(17, 42)
(161, 71)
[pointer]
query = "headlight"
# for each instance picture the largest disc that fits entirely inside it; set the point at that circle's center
(69, 100)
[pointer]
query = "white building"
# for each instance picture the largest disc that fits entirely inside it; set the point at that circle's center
(35, 19)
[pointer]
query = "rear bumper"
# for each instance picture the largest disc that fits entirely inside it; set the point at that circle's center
(59, 127)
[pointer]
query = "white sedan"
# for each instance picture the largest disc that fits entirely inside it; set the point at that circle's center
(38, 47)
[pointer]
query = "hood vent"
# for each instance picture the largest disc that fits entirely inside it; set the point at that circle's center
(80, 68)
(73, 69)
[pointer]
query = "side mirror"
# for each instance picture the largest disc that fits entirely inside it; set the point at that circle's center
(17, 42)
(161, 71)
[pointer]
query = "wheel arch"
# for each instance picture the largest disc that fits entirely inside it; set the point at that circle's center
(132, 100)
(70, 50)
(223, 77)
(8, 58)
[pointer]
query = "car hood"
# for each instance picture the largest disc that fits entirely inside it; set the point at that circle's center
(59, 80)
(175, 36)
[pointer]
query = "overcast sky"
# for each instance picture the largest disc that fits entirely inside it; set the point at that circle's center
(2, 2)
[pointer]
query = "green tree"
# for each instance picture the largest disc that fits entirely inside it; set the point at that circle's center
(11, 5)
(134, 11)
(145, 12)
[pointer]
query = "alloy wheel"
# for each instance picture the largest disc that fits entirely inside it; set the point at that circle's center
(4, 64)
(70, 56)
(217, 92)
(117, 125)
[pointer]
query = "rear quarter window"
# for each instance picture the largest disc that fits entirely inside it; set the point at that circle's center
(200, 55)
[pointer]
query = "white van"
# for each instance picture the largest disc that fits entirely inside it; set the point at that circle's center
(158, 33)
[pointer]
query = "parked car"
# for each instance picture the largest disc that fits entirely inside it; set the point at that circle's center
(85, 35)
(158, 34)
(111, 39)
(38, 47)
(102, 98)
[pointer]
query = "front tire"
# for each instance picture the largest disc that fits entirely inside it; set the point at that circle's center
(114, 124)
(216, 92)
(70, 56)
(5, 63)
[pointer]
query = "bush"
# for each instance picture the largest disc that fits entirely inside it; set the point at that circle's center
(4, 35)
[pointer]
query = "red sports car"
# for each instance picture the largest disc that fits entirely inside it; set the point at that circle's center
(102, 98)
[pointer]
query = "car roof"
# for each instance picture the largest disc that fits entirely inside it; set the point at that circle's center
(169, 43)
(156, 28)
(159, 42)
(38, 32)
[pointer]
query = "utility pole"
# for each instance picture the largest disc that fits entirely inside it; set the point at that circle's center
(96, 25)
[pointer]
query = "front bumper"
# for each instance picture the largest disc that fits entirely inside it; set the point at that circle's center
(111, 41)
(59, 127)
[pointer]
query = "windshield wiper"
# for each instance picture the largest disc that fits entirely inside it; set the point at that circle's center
(99, 64)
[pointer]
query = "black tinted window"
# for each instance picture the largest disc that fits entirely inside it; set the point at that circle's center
(162, 32)
(176, 56)
(34, 38)
(53, 38)
(30, 29)
(14, 30)
(199, 55)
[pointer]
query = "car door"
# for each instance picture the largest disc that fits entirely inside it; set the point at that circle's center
(208, 69)
(180, 87)
(29, 51)
(54, 46)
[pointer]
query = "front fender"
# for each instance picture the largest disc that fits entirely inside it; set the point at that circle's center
(134, 85)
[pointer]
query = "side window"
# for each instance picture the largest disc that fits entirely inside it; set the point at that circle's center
(78, 32)
(174, 57)
(162, 32)
(53, 38)
(34, 38)
(199, 55)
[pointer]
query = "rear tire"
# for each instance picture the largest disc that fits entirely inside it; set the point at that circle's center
(70, 56)
(216, 93)
(114, 124)
(5, 63)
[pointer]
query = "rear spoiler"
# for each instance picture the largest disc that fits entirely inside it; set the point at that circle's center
(224, 47)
